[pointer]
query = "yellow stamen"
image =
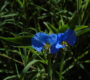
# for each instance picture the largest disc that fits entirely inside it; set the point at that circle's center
(64, 43)
(47, 46)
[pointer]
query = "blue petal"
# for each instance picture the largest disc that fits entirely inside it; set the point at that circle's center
(39, 40)
(70, 37)
(53, 49)
(52, 39)
(37, 45)
(60, 37)
(42, 37)
(60, 46)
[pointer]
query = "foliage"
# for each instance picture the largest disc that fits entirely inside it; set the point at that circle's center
(21, 19)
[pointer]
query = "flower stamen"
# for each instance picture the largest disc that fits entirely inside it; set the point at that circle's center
(47, 46)
(64, 43)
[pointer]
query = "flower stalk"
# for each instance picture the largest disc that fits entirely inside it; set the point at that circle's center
(49, 67)
(61, 66)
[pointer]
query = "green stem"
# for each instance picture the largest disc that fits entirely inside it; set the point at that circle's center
(79, 5)
(61, 66)
(49, 67)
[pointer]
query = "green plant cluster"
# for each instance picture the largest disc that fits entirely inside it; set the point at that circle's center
(21, 19)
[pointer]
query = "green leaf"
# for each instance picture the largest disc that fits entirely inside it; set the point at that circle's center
(27, 67)
(48, 27)
(86, 61)
(4, 6)
(82, 55)
(80, 27)
(20, 40)
(81, 32)
(10, 58)
(63, 28)
(82, 66)
(9, 15)
(20, 2)
(24, 47)
(10, 77)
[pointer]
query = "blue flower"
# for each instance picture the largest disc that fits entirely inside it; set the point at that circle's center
(40, 40)
(70, 37)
